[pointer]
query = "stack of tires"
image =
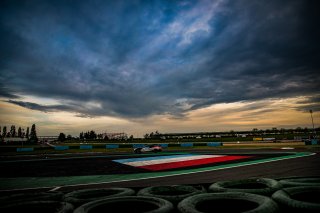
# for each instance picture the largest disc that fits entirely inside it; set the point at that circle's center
(299, 194)
(157, 199)
(51, 202)
(248, 195)
(80, 197)
(295, 194)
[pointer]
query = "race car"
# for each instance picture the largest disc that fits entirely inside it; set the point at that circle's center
(148, 148)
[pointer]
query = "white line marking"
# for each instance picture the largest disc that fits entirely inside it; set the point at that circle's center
(170, 160)
(54, 189)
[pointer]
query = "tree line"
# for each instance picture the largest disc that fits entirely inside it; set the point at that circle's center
(92, 135)
(89, 135)
(30, 135)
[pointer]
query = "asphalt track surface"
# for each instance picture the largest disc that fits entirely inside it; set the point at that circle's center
(301, 166)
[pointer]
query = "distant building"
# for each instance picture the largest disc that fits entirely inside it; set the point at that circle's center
(15, 139)
(115, 136)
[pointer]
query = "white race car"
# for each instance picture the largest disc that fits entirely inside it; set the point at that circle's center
(148, 148)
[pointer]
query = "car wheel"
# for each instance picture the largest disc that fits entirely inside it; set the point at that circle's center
(137, 151)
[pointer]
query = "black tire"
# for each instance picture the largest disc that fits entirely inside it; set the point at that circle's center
(80, 197)
(228, 202)
(174, 193)
(137, 151)
(298, 199)
(38, 206)
(26, 197)
(127, 204)
(262, 186)
(300, 181)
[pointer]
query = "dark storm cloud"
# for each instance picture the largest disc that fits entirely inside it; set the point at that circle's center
(39, 107)
(138, 58)
(310, 103)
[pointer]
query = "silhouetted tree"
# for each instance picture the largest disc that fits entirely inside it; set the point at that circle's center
(86, 135)
(92, 135)
(4, 132)
(33, 134)
(81, 136)
(27, 133)
(13, 131)
(62, 137)
(20, 132)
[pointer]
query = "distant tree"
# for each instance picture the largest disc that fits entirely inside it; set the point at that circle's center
(27, 133)
(62, 137)
(131, 137)
(81, 136)
(99, 136)
(92, 135)
(86, 135)
(146, 136)
(13, 131)
(69, 137)
(33, 134)
(4, 132)
(151, 135)
(232, 132)
(20, 132)
(274, 130)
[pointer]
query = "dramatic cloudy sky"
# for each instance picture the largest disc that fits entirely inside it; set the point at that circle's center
(172, 66)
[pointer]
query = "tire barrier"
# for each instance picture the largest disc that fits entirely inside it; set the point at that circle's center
(174, 193)
(298, 199)
(214, 144)
(133, 204)
(186, 144)
(25, 149)
(228, 202)
(26, 197)
(300, 181)
(61, 148)
(38, 207)
(262, 186)
(85, 147)
(112, 146)
(289, 199)
(80, 197)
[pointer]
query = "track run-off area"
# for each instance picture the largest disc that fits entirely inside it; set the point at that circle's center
(77, 171)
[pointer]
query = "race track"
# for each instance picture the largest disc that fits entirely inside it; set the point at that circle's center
(39, 174)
